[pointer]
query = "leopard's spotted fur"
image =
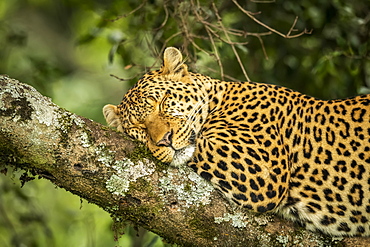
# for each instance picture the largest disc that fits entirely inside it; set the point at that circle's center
(266, 147)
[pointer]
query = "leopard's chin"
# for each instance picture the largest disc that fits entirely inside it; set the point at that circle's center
(183, 155)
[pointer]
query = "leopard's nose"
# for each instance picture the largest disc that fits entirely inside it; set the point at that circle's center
(166, 141)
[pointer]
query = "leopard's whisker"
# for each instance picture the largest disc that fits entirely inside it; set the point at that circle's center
(195, 113)
(196, 109)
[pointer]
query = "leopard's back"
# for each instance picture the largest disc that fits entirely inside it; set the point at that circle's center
(330, 166)
(265, 147)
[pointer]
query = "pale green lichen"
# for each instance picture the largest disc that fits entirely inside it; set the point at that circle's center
(84, 138)
(263, 219)
(23, 104)
(117, 185)
(197, 193)
(238, 220)
(127, 172)
(41, 113)
(282, 239)
(264, 239)
(44, 115)
(65, 121)
(336, 239)
(104, 155)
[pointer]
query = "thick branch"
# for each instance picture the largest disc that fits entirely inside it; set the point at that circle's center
(121, 177)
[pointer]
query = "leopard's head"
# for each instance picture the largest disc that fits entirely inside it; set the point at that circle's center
(165, 109)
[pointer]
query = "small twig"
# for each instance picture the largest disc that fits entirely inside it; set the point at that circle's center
(218, 59)
(137, 74)
(226, 41)
(165, 18)
(232, 45)
(171, 37)
(263, 47)
(209, 32)
(122, 79)
(225, 75)
(244, 34)
(305, 31)
(131, 12)
(287, 36)
(262, 1)
(234, 32)
(190, 37)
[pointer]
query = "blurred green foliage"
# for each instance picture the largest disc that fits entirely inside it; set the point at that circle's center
(42, 215)
(68, 49)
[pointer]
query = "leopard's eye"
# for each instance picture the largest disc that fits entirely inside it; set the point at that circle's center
(162, 103)
(133, 123)
(150, 101)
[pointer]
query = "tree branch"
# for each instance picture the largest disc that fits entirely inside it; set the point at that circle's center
(121, 177)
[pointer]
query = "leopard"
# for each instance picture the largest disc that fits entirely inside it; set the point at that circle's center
(265, 147)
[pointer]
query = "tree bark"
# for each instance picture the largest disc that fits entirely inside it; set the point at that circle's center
(119, 175)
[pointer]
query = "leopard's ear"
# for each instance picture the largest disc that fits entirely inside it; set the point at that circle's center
(111, 116)
(173, 63)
